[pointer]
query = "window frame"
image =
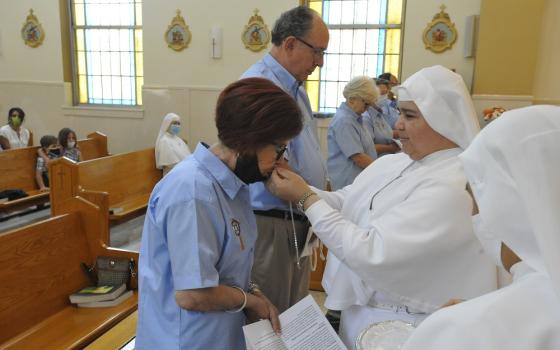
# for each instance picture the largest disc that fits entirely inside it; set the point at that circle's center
(74, 69)
(362, 26)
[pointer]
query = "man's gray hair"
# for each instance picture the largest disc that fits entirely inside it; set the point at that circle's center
(295, 22)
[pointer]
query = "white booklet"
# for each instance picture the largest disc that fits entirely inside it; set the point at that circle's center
(303, 327)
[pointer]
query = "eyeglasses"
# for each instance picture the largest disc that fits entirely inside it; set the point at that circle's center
(366, 103)
(318, 52)
(280, 150)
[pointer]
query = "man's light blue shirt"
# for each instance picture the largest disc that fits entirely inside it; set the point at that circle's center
(303, 153)
(347, 136)
(199, 232)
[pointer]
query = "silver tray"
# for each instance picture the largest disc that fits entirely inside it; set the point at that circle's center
(385, 335)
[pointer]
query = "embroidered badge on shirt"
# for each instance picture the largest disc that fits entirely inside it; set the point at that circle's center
(237, 230)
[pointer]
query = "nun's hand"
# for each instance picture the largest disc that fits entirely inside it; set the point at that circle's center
(287, 185)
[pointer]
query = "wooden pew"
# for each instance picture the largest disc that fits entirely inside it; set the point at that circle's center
(41, 268)
(126, 180)
(18, 166)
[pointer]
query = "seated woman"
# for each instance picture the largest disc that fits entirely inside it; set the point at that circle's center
(170, 148)
(512, 167)
(401, 232)
(17, 135)
(200, 230)
(350, 145)
(69, 143)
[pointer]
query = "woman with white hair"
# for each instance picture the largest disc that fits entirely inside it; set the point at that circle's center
(402, 230)
(170, 148)
(513, 170)
(351, 148)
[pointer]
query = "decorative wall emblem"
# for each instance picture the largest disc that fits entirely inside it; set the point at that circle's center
(255, 35)
(178, 36)
(440, 34)
(32, 31)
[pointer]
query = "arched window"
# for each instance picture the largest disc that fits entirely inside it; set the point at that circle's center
(365, 39)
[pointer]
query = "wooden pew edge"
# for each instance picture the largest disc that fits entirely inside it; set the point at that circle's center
(87, 336)
(25, 202)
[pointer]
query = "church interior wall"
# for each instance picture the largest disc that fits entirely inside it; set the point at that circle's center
(188, 82)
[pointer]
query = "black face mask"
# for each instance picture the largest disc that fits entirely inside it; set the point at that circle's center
(54, 153)
(247, 169)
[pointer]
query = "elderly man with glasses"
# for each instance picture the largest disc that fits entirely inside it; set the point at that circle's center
(300, 38)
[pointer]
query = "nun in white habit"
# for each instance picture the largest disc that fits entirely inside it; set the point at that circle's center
(513, 168)
(402, 231)
(170, 148)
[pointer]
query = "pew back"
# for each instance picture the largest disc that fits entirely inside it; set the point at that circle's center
(40, 268)
(18, 166)
(127, 179)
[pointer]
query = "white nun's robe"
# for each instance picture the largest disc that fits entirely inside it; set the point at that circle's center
(513, 167)
(402, 231)
(170, 149)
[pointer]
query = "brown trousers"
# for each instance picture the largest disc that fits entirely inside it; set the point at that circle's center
(274, 268)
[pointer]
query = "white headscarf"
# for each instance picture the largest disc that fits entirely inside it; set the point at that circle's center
(170, 149)
(440, 93)
(513, 167)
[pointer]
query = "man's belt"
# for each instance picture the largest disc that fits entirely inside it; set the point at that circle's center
(281, 214)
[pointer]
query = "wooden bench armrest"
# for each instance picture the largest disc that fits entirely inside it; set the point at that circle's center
(72, 327)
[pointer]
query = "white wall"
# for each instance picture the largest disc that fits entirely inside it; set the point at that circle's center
(546, 87)
(186, 82)
(19, 61)
(415, 56)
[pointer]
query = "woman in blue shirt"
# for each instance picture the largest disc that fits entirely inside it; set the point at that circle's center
(197, 246)
(350, 145)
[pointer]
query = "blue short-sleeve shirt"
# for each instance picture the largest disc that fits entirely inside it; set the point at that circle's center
(199, 232)
(390, 112)
(378, 127)
(303, 152)
(346, 137)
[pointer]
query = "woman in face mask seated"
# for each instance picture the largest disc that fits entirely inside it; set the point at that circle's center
(17, 135)
(68, 141)
(199, 235)
(170, 148)
(513, 171)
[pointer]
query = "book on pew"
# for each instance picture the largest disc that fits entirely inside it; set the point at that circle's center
(108, 303)
(95, 294)
(115, 210)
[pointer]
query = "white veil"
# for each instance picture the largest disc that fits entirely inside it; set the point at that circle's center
(170, 149)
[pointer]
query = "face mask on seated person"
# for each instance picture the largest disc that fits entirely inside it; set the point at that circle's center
(71, 144)
(175, 129)
(53, 153)
(16, 121)
(247, 169)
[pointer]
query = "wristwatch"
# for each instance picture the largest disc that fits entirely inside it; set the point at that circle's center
(302, 200)
(254, 288)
